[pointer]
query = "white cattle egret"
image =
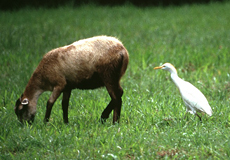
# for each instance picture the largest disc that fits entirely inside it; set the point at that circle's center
(192, 97)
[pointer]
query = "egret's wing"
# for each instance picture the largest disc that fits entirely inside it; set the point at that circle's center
(194, 98)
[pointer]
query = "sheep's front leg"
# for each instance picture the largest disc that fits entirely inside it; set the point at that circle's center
(55, 94)
(65, 104)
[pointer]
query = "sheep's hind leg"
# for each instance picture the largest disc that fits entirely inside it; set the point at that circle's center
(115, 92)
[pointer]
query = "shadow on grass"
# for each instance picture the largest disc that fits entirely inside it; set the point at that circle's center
(175, 121)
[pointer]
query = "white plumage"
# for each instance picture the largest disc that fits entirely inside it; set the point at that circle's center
(193, 98)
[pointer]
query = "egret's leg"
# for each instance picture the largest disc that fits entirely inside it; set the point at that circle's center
(199, 117)
(186, 115)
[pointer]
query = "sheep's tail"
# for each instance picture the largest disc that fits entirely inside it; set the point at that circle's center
(124, 61)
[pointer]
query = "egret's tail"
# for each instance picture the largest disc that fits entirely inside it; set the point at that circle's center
(209, 112)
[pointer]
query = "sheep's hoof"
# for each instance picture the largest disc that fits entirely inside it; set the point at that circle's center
(102, 120)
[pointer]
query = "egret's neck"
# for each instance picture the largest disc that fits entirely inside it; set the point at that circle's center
(177, 80)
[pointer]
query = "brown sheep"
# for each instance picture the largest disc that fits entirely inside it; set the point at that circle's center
(85, 64)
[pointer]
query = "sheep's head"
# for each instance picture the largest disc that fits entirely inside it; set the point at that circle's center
(24, 110)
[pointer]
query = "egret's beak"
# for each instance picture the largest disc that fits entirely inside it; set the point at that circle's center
(158, 67)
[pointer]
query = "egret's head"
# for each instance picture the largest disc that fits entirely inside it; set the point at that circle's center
(167, 66)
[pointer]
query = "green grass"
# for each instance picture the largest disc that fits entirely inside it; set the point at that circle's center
(193, 38)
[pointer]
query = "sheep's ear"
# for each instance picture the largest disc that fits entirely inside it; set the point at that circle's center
(25, 101)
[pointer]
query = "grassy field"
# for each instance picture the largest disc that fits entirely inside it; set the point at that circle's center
(196, 39)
